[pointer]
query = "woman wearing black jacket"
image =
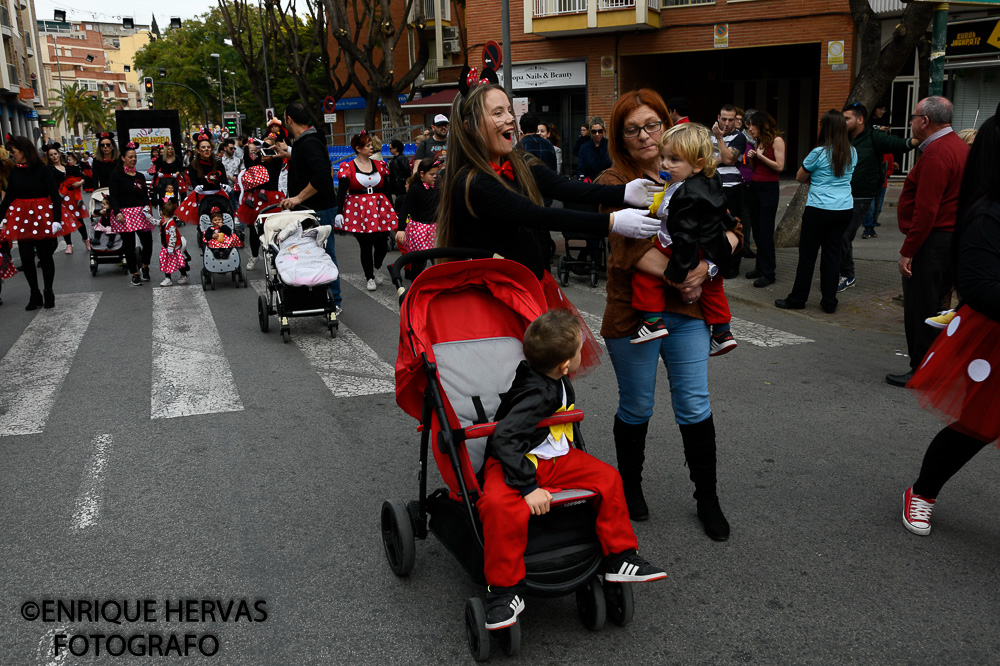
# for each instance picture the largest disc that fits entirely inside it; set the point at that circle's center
(258, 196)
(31, 214)
(959, 378)
(203, 163)
(129, 201)
(106, 159)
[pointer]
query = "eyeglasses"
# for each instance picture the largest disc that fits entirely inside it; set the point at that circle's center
(597, 131)
(918, 115)
(105, 145)
(650, 129)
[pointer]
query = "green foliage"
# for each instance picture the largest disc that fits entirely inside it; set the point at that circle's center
(185, 53)
(76, 106)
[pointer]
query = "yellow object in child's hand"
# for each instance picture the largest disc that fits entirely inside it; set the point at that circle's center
(657, 200)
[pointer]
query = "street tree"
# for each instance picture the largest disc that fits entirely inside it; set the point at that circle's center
(78, 108)
(879, 65)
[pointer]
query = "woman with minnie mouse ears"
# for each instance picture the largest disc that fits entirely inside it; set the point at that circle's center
(31, 214)
(106, 158)
(203, 163)
(491, 197)
(130, 215)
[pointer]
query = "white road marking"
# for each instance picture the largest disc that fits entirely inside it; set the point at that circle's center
(764, 336)
(385, 294)
(190, 372)
(594, 322)
(46, 648)
(90, 499)
(347, 365)
(36, 366)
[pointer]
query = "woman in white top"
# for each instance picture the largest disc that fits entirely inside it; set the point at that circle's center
(828, 168)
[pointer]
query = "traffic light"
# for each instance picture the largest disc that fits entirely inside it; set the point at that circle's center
(149, 102)
(148, 83)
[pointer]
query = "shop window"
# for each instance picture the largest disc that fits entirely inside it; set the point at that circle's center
(976, 96)
(354, 121)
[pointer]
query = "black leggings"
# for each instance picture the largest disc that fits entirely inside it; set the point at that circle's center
(254, 240)
(83, 234)
(374, 247)
(43, 249)
(128, 247)
(948, 453)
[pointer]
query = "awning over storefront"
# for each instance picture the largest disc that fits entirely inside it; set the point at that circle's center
(439, 101)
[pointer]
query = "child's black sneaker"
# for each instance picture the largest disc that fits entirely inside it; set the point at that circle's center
(145, 273)
(723, 343)
(136, 280)
(649, 329)
(503, 605)
(628, 567)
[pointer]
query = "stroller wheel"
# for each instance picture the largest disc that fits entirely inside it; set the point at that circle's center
(204, 281)
(510, 639)
(620, 602)
(590, 603)
(211, 281)
(262, 316)
(593, 278)
(475, 629)
(286, 336)
(397, 539)
(93, 268)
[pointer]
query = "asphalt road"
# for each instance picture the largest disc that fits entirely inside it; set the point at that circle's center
(266, 482)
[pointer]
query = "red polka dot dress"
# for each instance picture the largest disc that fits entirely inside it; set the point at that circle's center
(7, 268)
(366, 209)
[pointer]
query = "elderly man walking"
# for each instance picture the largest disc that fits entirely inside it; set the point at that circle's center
(926, 211)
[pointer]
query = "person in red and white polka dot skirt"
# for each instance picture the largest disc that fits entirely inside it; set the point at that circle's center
(365, 211)
(959, 378)
(31, 214)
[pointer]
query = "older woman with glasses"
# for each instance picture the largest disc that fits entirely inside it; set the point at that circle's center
(594, 157)
(638, 121)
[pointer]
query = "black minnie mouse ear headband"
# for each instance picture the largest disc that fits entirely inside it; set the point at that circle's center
(106, 135)
(203, 136)
(215, 210)
(470, 77)
(131, 145)
(51, 146)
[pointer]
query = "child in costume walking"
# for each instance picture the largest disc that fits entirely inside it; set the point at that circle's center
(524, 460)
(693, 224)
(172, 255)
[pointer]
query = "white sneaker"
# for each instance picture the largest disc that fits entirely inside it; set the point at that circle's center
(182, 279)
(251, 263)
(166, 282)
(380, 278)
(372, 286)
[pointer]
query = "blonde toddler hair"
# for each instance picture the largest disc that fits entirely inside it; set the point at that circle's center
(691, 142)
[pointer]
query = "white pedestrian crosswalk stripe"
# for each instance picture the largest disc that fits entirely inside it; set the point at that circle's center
(36, 366)
(764, 336)
(90, 499)
(347, 365)
(190, 372)
(385, 294)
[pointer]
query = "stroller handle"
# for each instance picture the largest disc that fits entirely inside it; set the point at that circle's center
(396, 269)
(267, 209)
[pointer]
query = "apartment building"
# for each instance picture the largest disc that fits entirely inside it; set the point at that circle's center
(21, 89)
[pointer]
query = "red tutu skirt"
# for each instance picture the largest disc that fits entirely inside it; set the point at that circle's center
(959, 379)
(229, 241)
(590, 356)
(31, 219)
(171, 262)
(7, 268)
(136, 219)
(188, 210)
(368, 214)
(419, 236)
(72, 200)
(253, 204)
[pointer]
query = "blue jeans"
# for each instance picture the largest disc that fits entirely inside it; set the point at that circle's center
(871, 217)
(685, 354)
(326, 217)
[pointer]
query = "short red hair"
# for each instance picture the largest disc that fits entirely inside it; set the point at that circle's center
(359, 141)
(624, 107)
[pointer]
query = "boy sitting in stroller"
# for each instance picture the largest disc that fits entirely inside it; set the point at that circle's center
(523, 459)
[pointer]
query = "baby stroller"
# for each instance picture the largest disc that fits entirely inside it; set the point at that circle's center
(166, 186)
(289, 300)
(105, 247)
(590, 256)
(219, 259)
(451, 377)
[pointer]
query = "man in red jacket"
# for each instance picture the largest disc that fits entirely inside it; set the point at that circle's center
(926, 211)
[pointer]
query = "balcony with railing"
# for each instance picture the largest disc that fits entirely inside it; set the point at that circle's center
(430, 11)
(28, 49)
(556, 18)
(5, 26)
(12, 74)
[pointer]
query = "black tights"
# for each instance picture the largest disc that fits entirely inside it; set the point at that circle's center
(948, 453)
(373, 250)
(83, 234)
(254, 240)
(43, 249)
(128, 246)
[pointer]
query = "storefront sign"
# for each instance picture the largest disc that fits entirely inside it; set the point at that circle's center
(149, 137)
(972, 38)
(721, 35)
(27, 94)
(548, 75)
(347, 103)
(835, 53)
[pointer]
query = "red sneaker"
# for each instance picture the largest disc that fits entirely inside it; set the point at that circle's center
(917, 512)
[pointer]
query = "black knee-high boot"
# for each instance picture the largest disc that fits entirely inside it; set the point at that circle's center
(630, 448)
(699, 451)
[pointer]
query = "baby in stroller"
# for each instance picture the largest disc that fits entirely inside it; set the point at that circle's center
(300, 256)
(524, 460)
(102, 239)
(218, 236)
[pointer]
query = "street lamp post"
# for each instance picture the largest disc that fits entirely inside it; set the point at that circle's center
(263, 41)
(62, 88)
(236, 110)
(222, 102)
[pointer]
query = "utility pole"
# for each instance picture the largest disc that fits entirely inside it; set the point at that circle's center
(62, 88)
(222, 101)
(939, 43)
(263, 41)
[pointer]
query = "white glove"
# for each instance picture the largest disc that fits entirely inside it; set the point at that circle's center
(635, 223)
(338, 222)
(639, 193)
(56, 228)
